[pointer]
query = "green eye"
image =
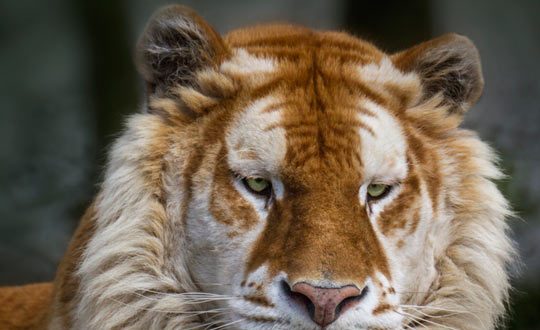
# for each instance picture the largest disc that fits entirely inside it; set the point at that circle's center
(377, 190)
(257, 185)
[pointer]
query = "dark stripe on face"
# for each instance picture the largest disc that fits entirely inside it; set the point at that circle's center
(227, 205)
(259, 300)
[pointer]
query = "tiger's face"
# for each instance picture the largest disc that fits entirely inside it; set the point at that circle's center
(311, 205)
(314, 196)
(301, 180)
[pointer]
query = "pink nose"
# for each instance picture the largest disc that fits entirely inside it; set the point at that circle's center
(325, 305)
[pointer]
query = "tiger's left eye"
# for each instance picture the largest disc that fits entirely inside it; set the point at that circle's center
(377, 191)
(258, 186)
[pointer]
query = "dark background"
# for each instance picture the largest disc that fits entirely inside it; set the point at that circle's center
(67, 81)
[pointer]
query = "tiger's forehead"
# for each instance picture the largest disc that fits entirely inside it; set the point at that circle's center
(284, 140)
(320, 105)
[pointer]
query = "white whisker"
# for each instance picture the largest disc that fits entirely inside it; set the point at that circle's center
(413, 318)
(229, 324)
(450, 311)
(430, 322)
(192, 313)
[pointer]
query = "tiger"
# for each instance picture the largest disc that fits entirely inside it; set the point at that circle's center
(279, 177)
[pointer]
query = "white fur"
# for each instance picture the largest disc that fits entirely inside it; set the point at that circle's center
(252, 134)
(120, 275)
(385, 72)
(383, 154)
(243, 63)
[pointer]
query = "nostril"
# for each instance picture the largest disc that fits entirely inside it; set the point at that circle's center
(299, 298)
(350, 302)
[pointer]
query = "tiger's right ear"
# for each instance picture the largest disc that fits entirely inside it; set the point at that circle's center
(174, 46)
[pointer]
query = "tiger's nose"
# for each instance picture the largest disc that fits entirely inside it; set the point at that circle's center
(324, 305)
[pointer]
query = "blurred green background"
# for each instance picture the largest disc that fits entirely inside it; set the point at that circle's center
(67, 81)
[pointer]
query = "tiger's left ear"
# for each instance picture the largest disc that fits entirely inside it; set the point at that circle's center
(448, 66)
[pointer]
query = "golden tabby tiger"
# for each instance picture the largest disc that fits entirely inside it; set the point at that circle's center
(285, 178)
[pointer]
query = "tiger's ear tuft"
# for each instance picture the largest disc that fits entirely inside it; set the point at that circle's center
(448, 66)
(174, 46)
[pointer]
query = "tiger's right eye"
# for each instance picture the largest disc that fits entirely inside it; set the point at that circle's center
(258, 186)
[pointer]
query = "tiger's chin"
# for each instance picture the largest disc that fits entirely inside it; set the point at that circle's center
(354, 319)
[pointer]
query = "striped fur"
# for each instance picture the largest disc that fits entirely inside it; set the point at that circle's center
(174, 240)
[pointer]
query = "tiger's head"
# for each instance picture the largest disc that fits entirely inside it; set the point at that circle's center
(285, 178)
